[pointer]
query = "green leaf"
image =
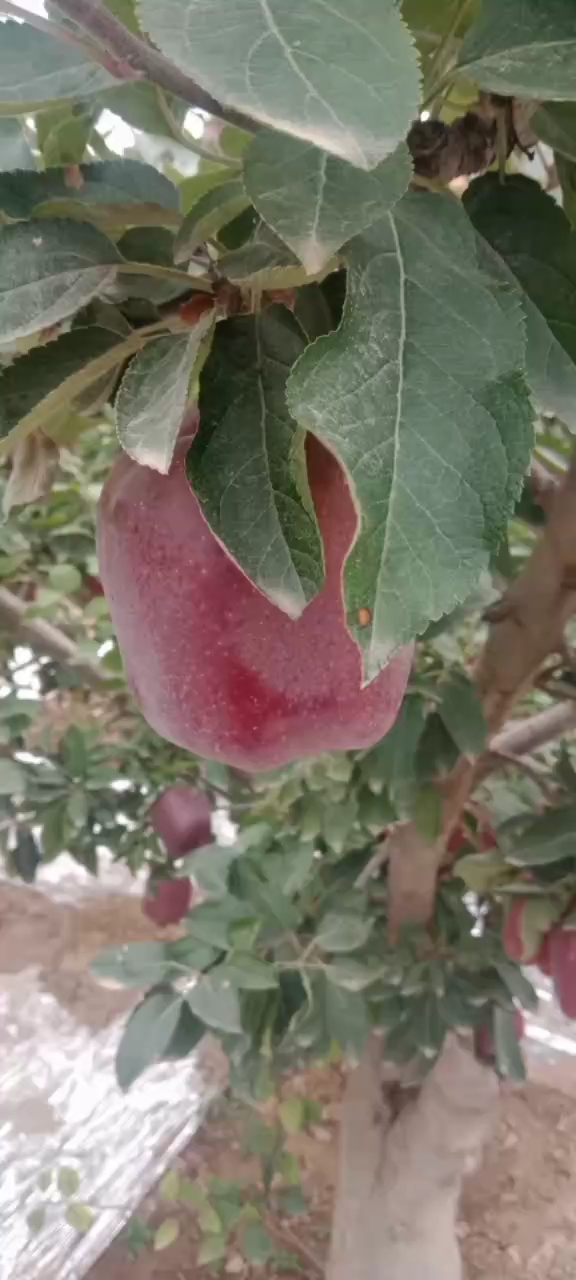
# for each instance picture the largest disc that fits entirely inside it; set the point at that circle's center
(192, 189)
(314, 201)
(212, 1248)
(248, 973)
(420, 393)
(36, 69)
(12, 777)
(167, 1233)
(549, 838)
(555, 124)
(518, 985)
(346, 1019)
(509, 1060)
(25, 857)
(48, 270)
(482, 872)
(264, 262)
(170, 1186)
(210, 867)
(392, 763)
(291, 1200)
(80, 1217)
(68, 1180)
(523, 48)
(541, 255)
(45, 1179)
(99, 186)
(352, 975)
(36, 1219)
(153, 395)
(135, 964)
(462, 713)
(257, 1246)
(147, 1035)
(427, 811)
(212, 922)
(347, 82)
(292, 1114)
(187, 1036)
(64, 577)
(216, 1003)
(214, 210)
(63, 132)
(343, 931)
(15, 150)
(247, 462)
(146, 107)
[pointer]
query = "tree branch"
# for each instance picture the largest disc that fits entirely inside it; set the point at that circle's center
(522, 737)
(140, 59)
(46, 639)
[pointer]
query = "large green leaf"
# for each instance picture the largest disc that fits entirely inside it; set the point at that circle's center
(345, 79)
(153, 396)
(215, 1001)
(523, 47)
(15, 150)
(32, 377)
(421, 395)
(36, 69)
(534, 238)
(314, 201)
(247, 464)
(107, 183)
(213, 211)
(48, 270)
(147, 1034)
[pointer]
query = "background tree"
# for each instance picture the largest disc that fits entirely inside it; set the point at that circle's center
(316, 274)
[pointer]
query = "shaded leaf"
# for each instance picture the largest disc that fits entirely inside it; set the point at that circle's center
(524, 48)
(518, 985)
(509, 1060)
(462, 713)
(216, 1003)
(210, 867)
(26, 382)
(314, 201)
(248, 973)
(292, 1114)
(146, 107)
(346, 82)
(135, 964)
(257, 1246)
(211, 1249)
(154, 394)
(63, 132)
(555, 124)
(187, 1036)
(68, 1180)
(166, 1234)
(12, 777)
(352, 975)
(346, 1019)
(147, 1035)
(36, 69)
(541, 254)
(264, 262)
(103, 184)
(214, 210)
(34, 464)
(420, 393)
(247, 463)
(48, 270)
(549, 838)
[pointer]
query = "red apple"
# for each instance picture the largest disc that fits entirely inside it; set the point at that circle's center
(519, 945)
(167, 901)
(544, 956)
(563, 965)
(215, 666)
(181, 817)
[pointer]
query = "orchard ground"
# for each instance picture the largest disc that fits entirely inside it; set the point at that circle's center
(518, 1213)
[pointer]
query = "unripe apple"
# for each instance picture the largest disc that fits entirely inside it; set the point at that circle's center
(563, 965)
(215, 666)
(167, 901)
(181, 817)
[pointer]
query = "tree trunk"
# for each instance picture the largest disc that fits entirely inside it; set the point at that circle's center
(400, 1178)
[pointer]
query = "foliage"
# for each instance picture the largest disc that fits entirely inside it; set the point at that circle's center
(301, 279)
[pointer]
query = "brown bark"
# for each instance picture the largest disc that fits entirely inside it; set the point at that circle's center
(400, 1179)
(46, 639)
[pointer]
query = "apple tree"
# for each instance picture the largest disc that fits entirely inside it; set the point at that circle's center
(310, 345)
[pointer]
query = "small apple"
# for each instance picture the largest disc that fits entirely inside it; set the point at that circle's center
(181, 816)
(167, 901)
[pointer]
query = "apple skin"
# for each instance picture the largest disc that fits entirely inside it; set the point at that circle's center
(513, 941)
(563, 966)
(544, 957)
(215, 667)
(167, 901)
(181, 817)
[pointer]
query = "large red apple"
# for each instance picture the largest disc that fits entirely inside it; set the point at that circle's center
(181, 817)
(215, 666)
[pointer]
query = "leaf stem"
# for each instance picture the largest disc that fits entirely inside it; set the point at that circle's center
(129, 57)
(442, 53)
